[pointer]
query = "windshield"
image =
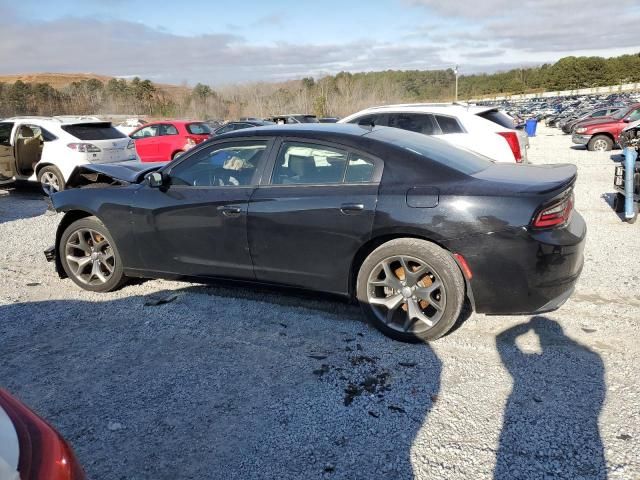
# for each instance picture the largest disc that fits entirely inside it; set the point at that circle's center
(620, 113)
(94, 131)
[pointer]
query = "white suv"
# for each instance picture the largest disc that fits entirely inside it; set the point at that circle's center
(47, 149)
(461, 126)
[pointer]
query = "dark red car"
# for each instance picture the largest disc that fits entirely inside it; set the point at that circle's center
(30, 449)
(602, 134)
(164, 141)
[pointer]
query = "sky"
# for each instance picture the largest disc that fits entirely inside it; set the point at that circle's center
(220, 43)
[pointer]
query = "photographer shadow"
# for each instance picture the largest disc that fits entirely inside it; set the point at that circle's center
(550, 426)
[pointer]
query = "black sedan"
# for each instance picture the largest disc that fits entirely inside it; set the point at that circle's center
(405, 224)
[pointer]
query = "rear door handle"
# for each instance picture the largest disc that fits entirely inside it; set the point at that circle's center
(230, 211)
(351, 208)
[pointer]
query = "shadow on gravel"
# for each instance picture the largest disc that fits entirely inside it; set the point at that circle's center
(608, 198)
(192, 384)
(550, 427)
(21, 202)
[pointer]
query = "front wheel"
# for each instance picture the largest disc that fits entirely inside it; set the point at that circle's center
(411, 290)
(90, 257)
(51, 179)
(600, 143)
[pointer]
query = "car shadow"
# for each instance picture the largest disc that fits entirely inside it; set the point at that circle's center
(185, 384)
(21, 201)
(550, 427)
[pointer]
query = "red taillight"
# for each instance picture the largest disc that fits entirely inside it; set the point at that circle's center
(514, 144)
(556, 214)
(44, 455)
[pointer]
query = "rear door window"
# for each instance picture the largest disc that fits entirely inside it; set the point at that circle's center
(93, 131)
(168, 129)
(198, 129)
(306, 163)
(449, 124)
(359, 169)
(414, 122)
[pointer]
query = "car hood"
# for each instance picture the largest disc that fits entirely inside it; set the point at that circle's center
(121, 172)
(599, 121)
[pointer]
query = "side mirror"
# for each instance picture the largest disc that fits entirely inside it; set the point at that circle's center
(156, 180)
(626, 120)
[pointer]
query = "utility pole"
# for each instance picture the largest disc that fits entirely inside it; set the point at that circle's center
(455, 70)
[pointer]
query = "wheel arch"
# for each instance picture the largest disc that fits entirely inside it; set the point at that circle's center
(69, 217)
(375, 241)
(604, 134)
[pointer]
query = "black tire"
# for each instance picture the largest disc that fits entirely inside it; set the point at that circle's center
(597, 141)
(618, 203)
(115, 279)
(439, 261)
(51, 172)
(176, 154)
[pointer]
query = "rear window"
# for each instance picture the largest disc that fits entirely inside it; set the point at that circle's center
(498, 117)
(198, 129)
(435, 149)
(93, 131)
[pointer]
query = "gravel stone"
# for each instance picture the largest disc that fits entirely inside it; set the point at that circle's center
(208, 387)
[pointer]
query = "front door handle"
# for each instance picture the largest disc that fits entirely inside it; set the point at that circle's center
(230, 211)
(351, 208)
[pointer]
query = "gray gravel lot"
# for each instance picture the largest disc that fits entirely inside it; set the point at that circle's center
(237, 383)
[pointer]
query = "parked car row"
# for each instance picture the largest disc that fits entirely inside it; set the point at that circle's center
(594, 121)
(48, 149)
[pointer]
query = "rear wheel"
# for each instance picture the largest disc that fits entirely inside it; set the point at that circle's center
(411, 290)
(90, 257)
(51, 179)
(176, 154)
(600, 143)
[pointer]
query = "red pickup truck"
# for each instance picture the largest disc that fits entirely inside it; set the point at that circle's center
(602, 134)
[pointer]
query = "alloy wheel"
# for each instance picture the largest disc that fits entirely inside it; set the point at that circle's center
(406, 294)
(90, 256)
(50, 182)
(600, 145)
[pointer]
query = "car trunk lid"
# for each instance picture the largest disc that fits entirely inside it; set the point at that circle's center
(530, 178)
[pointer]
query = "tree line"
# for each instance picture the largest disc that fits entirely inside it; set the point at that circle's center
(333, 95)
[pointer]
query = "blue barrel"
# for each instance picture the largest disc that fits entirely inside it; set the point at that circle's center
(530, 127)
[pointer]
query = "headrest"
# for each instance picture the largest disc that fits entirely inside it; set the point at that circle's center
(26, 132)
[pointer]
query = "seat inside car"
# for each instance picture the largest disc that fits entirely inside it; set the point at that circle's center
(301, 169)
(28, 149)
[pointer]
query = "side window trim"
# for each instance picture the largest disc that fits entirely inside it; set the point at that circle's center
(270, 165)
(258, 174)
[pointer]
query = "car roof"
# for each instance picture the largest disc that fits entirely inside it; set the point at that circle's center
(302, 130)
(428, 108)
(57, 120)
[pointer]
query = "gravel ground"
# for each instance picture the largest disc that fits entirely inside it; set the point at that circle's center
(237, 383)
